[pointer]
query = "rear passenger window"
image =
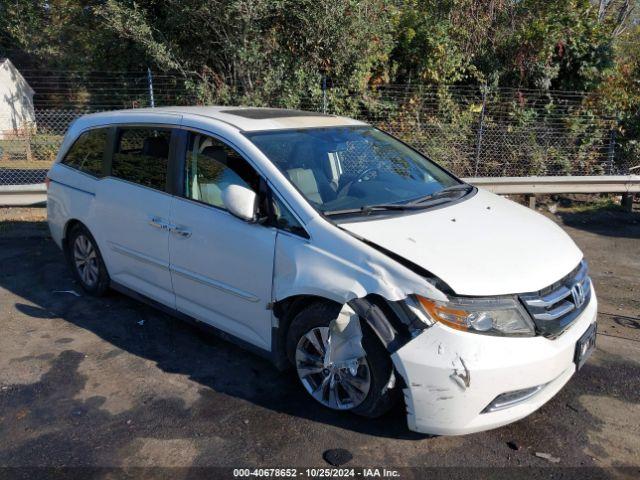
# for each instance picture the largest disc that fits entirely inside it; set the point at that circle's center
(87, 152)
(141, 156)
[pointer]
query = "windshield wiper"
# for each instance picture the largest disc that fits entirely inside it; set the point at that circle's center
(440, 193)
(426, 201)
(368, 209)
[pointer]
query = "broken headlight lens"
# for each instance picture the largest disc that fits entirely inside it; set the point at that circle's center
(491, 316)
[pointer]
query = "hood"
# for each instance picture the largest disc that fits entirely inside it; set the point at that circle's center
(486, 245)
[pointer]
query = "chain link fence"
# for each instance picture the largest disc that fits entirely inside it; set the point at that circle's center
(28, 150)
(497, 133)
(472, 131)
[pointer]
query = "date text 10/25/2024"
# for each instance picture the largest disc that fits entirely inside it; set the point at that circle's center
(316, 472)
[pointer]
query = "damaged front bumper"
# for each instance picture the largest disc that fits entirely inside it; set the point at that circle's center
(453, 378)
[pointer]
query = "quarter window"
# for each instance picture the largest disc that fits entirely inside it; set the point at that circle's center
(87, 152)
(211, 166)
(141, 156)
(285, 220)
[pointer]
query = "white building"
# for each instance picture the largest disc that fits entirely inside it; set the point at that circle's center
(16, 101)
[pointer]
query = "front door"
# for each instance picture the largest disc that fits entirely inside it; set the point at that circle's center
(221, 266)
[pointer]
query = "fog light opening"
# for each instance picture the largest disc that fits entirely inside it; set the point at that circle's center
(509, 399)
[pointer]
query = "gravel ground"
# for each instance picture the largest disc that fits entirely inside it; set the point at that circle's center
(110, 382)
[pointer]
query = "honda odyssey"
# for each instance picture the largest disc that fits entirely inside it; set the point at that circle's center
(326, 244)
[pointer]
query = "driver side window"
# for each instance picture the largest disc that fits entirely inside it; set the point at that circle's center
(211, 166)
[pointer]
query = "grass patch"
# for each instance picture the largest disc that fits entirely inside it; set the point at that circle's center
(596, 205)
(26, 164)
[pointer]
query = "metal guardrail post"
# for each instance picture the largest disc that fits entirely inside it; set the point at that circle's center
(150, 83)
(324, 94)
(611, 151)
(480, 128)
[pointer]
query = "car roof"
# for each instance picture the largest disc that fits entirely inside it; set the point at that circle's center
(244, 118)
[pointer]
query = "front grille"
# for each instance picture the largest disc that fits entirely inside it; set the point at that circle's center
(555, 307)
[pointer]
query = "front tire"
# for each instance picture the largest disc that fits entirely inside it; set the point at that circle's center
(86, 262)
(362, 387)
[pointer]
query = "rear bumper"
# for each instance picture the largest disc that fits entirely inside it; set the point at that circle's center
(452, 376)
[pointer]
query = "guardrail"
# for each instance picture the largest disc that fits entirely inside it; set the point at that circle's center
(25, 195)
(569, 184)
(532, 186)
(22, 195)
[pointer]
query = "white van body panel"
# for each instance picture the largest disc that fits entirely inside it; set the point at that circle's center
(337, 266)
(135, 251)
(222, 271)
(70, 196)
(512, 248)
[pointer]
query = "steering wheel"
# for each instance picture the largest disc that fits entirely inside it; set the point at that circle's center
(364, 176)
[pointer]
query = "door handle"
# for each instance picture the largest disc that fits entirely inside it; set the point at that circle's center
(183, 232)
(157, 222)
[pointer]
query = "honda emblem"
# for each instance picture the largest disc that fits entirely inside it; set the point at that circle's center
(577, 292)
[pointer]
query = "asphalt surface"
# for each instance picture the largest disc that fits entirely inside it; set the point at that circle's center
(109, 382)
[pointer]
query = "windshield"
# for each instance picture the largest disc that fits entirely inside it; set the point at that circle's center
(340, 169)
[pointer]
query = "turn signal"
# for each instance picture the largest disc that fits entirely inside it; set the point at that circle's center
(452, 317)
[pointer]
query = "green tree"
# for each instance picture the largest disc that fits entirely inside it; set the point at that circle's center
(63, 35)
(256, 47)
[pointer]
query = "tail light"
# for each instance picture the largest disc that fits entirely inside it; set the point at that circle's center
(47, 181)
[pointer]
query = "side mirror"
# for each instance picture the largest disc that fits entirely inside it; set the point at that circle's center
(240, 201)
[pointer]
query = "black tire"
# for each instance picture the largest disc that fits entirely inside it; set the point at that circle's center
(95, 288)
(380, 397)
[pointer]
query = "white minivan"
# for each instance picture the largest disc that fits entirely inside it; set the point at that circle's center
(324, 243)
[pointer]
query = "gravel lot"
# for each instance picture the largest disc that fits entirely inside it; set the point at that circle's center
(110, 382)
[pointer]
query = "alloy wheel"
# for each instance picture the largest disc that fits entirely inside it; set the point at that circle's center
(340, 386)
(85, 259)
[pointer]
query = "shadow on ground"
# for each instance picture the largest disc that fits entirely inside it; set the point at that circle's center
(612, 223)
(10, 229)
(172, 345)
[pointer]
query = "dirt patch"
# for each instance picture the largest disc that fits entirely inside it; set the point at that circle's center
(616, 443)
(23, 222)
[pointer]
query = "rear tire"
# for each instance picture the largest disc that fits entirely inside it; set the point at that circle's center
(374, 370)
(85, 261)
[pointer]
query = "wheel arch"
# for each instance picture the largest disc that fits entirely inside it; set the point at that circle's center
(385, 318)
(68, 227)
(285, 310)
(71, 223)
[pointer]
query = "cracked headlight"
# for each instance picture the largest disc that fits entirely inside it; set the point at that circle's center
(491, 316)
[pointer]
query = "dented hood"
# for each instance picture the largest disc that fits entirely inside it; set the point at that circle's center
(485, 245)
